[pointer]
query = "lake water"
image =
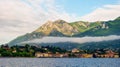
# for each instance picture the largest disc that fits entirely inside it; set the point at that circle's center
(59, 62)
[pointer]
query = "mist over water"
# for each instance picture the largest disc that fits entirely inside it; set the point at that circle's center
(73, 39)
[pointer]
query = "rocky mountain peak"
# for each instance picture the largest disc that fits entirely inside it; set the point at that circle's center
(59, 25)
(48, 23)
(60, 21)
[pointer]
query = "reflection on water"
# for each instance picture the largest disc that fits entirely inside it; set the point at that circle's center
(59, 62)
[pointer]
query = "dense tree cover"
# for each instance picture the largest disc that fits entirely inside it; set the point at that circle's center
(27, 50)
(89, 46)
(15, 51)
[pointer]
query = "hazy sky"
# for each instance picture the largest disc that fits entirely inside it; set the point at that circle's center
(18, 17)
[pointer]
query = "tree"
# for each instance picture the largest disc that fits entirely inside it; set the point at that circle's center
(27, 48)
(95, 55)
(6, 54)
(119, 53)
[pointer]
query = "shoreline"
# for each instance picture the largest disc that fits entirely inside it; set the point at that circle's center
(51, 57)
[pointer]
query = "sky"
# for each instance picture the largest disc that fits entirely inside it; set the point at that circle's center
(18, 17)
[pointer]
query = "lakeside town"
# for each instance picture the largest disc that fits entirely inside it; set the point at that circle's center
(55, 52)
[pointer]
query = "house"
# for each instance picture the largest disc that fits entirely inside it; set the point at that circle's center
(65, 55)
(14, 51)
(21, 48)
(39, 54)
(110, 54)
(5, 47)
(58, 55)
(75, 50)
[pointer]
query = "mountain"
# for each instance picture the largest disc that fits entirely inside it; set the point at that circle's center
(80, 28)
(61, 28)
(112, 44)
(103, 29)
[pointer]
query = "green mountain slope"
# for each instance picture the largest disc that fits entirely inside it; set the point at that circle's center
(84, 26)
(103, 29)
(26, 37)
(75, 29)
(112, 44)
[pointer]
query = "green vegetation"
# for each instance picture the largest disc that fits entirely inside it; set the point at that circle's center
(112, 44)
(50, 51)
(84, 26)
(102, 29)
(27, 50)
(16, 51)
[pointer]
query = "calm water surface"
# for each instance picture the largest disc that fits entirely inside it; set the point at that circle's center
(59, 62)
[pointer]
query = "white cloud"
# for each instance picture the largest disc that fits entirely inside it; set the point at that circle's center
(18, 17)
(107, 12)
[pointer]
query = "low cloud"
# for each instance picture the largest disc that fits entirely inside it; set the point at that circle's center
(73, 39)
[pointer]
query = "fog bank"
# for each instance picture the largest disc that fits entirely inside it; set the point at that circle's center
(73, 39)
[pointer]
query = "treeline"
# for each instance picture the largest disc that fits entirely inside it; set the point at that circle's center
(27, 50)
(51, 51)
